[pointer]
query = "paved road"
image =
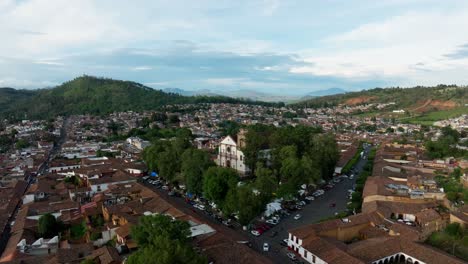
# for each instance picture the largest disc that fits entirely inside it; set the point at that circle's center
(311, 213)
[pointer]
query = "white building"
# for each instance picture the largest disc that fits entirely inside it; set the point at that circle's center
(230, 154)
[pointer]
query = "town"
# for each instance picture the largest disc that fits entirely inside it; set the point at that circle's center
(235, 183)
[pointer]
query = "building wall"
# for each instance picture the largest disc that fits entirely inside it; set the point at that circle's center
(296, 244)
(232, 157)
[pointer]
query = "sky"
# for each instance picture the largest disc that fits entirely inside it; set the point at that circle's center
(274, 46)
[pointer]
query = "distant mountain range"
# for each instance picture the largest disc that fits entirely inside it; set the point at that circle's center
(255, 95)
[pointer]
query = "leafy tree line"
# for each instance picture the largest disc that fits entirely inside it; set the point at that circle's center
(298, 154)
(177, 160)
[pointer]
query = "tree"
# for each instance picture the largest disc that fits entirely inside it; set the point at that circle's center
(217, 182)
(163, 240)
(265, 182)
(194, 163)
(48, 226)
(249, 204)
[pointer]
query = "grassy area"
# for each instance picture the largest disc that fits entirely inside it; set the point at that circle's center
(453, 240)
(430, 118)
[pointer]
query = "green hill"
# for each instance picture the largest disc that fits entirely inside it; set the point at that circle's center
(91, 95)
(421, 104)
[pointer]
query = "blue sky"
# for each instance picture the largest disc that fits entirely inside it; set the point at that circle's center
(281, 47)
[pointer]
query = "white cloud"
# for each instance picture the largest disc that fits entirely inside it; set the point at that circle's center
(391, 48)
(142, 68)
(46, 62)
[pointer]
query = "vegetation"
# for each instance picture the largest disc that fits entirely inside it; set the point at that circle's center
(218, 182)
(356, 198)
(48, 226)
(403, 97)
(91, 95)
(354, 160)
(445, 146)
(298, 155)
(5, 143)
(431, 117)
(453, 239)
(163, 240)
(77, 231)
(452, 186)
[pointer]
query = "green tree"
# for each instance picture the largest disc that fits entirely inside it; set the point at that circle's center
(48, 226)
(194, 163)
(217, 182)
(265, 181)
(163, 240)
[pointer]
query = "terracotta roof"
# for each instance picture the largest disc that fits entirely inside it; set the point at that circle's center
(427, 215)
(220, 249)
(327, 251)
(106, 255)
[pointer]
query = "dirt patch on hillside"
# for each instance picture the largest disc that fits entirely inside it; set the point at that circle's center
(431, 105)
(359, 100)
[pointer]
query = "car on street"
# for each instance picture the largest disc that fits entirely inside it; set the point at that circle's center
(351, 177)
(266, 247)
(284, 242)
(145, 178)
(165, 187)
(291, 256)
(274, 233)
(297, 217)
(200, 207)
(272, 221)
(310, 198)
(255, 233)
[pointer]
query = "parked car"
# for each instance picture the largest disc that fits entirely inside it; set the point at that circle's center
(284, 242)
(310, 198)
(200, 207)
(297, 217)
(165, 187)
(272, 221)
(266, 247)
(255, 233)
(145, 178)
(291, 256)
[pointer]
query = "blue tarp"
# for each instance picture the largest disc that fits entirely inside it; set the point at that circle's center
(189, 195)
(154, 174)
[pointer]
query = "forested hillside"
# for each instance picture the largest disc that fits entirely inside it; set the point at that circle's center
(91, 95)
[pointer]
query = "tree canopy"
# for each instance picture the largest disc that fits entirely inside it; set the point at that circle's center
(162, 240)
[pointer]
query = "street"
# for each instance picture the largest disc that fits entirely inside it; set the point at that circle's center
(315, 211)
